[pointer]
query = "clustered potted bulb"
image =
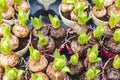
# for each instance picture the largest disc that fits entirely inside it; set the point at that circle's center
(57, 69)
(47, 36)
(56, 31)
(75, 65)
(92, 58)
(100, 11)
(9, 9)
(10, 58)
(36, 62)
(91, 74)
(18, 34)
(70, 11)
(112, 69)
(80, 43)
(22, 31)
(39, 32)
(13, 74)
(15, 35)
(111, 41)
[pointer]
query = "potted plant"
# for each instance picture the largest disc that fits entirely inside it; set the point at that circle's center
(13, 74)
(79, 6)
(36, 62)
(111, 68)
(111, 40)
(75, 65)
(92, 58)
(80, 43)
(39, 76)
(9, 9)
(39, 26)
(46, 44)
(99, 12)
(57, 70)
(56, 31)
(14, 41)
(91, 74)
(10, 58)
(22, 31)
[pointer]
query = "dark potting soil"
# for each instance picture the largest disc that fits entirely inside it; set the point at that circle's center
(34, 41)
(111, 45)
(105, 18)
(22, 43)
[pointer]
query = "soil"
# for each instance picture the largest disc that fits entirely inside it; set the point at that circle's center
(22, 43)
(111, 45)
(111, 73)
(105, 18)
(76, 70)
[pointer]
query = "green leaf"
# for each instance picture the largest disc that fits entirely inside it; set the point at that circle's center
(83, 37)
(56, 53)
(70, 1)
(5, 46)
(55, 21)
(114, 19)
(18, 1)
(3, 5)
(93, 54)
(95, 49)
(37, 22)
(83, 18)
(116, 35)
(34, 53)
(19, 72)
(0, 16)
(99, 31)
(74, 59)
(79, 6)
(42, 39)
(22, 16)
(117, 3)
(116, 62)
(99, 4)
(13, 73)
(93, 58)
(60, 62)
(37, 77)
(6, 30)
(92, 73)
(66, 69)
